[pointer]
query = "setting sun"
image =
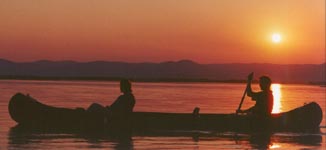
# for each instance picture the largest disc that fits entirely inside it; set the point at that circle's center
(276, 37)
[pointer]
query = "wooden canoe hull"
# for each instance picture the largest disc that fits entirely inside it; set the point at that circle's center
(27, 111)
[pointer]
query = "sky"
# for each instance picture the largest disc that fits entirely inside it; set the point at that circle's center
(207, 31)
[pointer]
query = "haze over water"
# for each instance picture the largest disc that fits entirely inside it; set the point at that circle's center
(159, 97)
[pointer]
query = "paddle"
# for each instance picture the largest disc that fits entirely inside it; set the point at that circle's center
(244, 94)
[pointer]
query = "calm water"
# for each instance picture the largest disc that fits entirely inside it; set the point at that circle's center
(159, 97)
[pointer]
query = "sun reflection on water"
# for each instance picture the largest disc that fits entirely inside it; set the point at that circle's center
(273, 146)
(276, 88)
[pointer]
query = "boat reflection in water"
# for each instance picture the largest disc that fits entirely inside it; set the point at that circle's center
(285, 141)
(26, 138)
(279, 140)
(19, 138)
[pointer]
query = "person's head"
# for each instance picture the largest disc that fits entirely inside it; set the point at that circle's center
(125, 86)
(265, 83)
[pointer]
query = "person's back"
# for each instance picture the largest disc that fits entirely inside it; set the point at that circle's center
(123, 106)
(264, 103)
(120, 112)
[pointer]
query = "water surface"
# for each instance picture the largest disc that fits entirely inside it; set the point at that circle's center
(159, 97)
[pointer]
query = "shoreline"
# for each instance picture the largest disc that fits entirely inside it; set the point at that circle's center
(152, 80)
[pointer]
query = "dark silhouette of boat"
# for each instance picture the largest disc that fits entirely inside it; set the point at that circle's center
(28, 112)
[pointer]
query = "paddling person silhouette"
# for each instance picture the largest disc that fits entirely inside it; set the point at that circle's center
(119, 112)
(264, 99)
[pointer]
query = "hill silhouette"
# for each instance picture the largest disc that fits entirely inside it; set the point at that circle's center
(183, 70)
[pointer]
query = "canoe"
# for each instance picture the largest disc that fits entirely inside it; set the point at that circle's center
(27, 111)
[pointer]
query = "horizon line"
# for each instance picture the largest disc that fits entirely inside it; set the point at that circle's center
(167, 61)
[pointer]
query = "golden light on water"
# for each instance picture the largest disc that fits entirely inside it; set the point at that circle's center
(276, 88)
(273, 146)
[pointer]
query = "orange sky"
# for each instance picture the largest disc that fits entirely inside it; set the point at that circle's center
(208, 31)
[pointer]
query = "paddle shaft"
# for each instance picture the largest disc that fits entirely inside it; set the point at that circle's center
(243, 96)
(250, 76)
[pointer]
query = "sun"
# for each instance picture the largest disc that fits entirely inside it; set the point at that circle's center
(276, 37)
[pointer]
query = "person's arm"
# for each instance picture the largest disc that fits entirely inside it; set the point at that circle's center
(247, 111)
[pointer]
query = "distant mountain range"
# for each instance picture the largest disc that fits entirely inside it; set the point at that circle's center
(184, 70)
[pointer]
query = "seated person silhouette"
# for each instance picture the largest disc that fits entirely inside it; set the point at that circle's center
(264, 99)
(121, 109)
